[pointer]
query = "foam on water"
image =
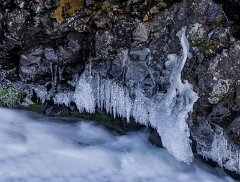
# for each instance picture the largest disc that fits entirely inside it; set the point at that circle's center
(36, 149)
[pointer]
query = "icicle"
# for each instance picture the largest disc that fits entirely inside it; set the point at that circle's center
(90, 68)
(114, 90)
(107, 96)
(128, 105)
(230, 152)
(124, 57)
(55, 75)
(219, 156)
(41, 93)
(60, 72)
(51, 69)
(172, 111)
(102, 93)
(238, 157)
(63, 98)
(98, 92)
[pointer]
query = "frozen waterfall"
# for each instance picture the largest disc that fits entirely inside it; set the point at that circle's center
(165, 112)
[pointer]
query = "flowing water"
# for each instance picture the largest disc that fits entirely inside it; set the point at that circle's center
(34, 148)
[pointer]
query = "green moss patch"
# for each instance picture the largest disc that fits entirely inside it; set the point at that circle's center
(208, 49)
(36, 108)
(11, 97)
(106, 120)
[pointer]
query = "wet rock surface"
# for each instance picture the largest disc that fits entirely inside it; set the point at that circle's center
(46, 45)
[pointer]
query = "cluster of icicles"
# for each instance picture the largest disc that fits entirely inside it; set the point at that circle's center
(221, 150)
(166, 112)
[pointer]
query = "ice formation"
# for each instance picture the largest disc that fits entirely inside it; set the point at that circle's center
(41, 92)
(165, 112)
(64, 98)
(220, 149)
(83, 96)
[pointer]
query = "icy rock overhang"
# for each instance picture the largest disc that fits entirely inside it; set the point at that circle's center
(166, 112)
(212, 143)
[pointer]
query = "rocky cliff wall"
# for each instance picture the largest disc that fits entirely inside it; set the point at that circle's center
(46, 46)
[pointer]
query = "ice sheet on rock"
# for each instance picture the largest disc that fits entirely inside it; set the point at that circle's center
(165, 112)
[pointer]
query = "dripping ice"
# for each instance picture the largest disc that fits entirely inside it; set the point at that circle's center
(165, 112)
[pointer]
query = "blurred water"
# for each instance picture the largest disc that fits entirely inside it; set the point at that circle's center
(34, 148)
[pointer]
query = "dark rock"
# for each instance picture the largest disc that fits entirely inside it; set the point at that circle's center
(219, 113)
(142, 32)
(136, 71)
(32, 65)
(131, 125)
(140, 55)
(56, 111)
(237, 99)
(50, 54)
(103, 46)
(233, 131)
(154, 138)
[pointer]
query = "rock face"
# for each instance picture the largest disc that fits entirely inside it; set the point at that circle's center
(45, 46)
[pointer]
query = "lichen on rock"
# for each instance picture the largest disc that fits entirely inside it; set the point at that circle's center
(12, 97)
(67, 8)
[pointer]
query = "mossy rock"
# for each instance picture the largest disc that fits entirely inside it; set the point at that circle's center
(106, 120)
(36, 108)
(229, 98)
(209, 49)
(12, 97)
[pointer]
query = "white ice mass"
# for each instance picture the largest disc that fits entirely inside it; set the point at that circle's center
(165, 112)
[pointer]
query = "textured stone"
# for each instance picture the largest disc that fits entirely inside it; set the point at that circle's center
(32, 65)
(141, 33)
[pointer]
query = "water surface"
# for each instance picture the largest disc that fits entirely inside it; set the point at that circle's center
(34, 148)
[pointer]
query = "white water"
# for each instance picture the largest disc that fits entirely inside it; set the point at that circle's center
(34, 148)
